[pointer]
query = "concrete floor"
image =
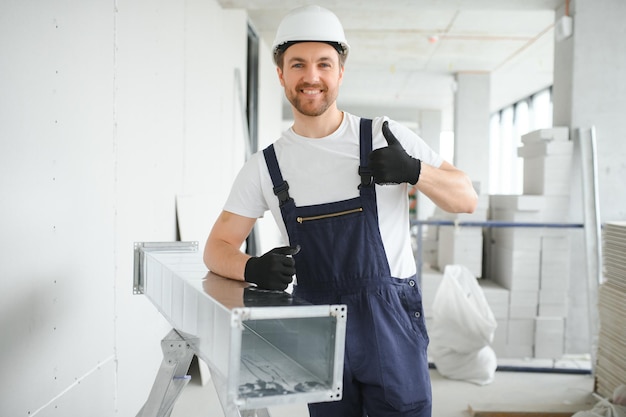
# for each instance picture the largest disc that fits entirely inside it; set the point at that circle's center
(510, 391)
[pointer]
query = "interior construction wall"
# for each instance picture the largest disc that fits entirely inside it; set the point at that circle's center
(270, 127)
(589, 91)
(109, 110)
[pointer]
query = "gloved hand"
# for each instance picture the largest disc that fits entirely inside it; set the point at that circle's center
(392, 165)
(274, 270)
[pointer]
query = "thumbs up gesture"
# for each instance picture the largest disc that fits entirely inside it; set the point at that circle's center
(392, 165)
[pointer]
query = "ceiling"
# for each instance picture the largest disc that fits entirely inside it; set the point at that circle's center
(404, 54)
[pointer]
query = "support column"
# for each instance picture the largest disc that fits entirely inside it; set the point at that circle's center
(471, 127)
(590, 90)
(430, 127)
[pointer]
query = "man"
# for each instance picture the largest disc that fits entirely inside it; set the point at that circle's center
(337, 186)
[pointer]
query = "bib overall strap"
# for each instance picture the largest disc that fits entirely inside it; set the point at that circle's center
(365, 137)
(281, 188)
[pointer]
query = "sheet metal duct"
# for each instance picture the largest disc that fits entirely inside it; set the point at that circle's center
(263, 348)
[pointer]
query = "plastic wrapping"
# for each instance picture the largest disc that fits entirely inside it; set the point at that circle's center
(463, 328)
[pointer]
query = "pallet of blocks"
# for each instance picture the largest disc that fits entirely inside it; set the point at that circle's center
(611, 357)
(547, 155)
(498, 299)
(533, 263)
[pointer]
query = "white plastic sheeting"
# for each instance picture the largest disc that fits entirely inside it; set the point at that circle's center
(463, 328)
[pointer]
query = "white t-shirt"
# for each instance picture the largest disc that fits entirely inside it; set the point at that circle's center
(325, 170)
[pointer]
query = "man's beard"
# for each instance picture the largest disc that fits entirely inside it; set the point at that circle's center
(302, 105)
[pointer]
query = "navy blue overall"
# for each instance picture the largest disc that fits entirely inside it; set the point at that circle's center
(342, 261)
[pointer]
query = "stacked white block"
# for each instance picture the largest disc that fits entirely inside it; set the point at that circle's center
(529, 208)
(552, 303)
(498, 299)
(547, 155)
(533, 263)
(463, 245)
(429, 245)
(554, 275)
(549, 337)
(520, 338)
(523, 304)
(429, 240)
(516, 269)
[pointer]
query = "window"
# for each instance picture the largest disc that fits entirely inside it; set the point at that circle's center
(507, 127)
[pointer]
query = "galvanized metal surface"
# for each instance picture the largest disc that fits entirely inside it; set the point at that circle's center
(264, 348)
(139, 271)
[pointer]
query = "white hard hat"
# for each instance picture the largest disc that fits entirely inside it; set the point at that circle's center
(310, 24)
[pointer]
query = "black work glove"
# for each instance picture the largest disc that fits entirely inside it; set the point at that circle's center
(392, 165)
(273, 270)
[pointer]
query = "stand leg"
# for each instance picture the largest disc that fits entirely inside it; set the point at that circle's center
(171, 378)
(178, 351)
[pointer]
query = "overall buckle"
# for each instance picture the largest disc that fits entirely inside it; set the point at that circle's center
(367, 179)
(282, 192)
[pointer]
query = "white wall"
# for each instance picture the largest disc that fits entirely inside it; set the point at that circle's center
(109, 110)
(270, 127)
(589, 90)
(471, 127)
(58, 208)
(529, 71)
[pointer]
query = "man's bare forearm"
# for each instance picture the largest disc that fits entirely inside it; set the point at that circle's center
(225, 260)
(449, 188)
(222, 253)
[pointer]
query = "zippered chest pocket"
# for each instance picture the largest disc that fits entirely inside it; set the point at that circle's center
(329, 211)
(302, 219)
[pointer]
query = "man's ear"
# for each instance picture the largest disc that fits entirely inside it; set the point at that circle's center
(280, 76)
